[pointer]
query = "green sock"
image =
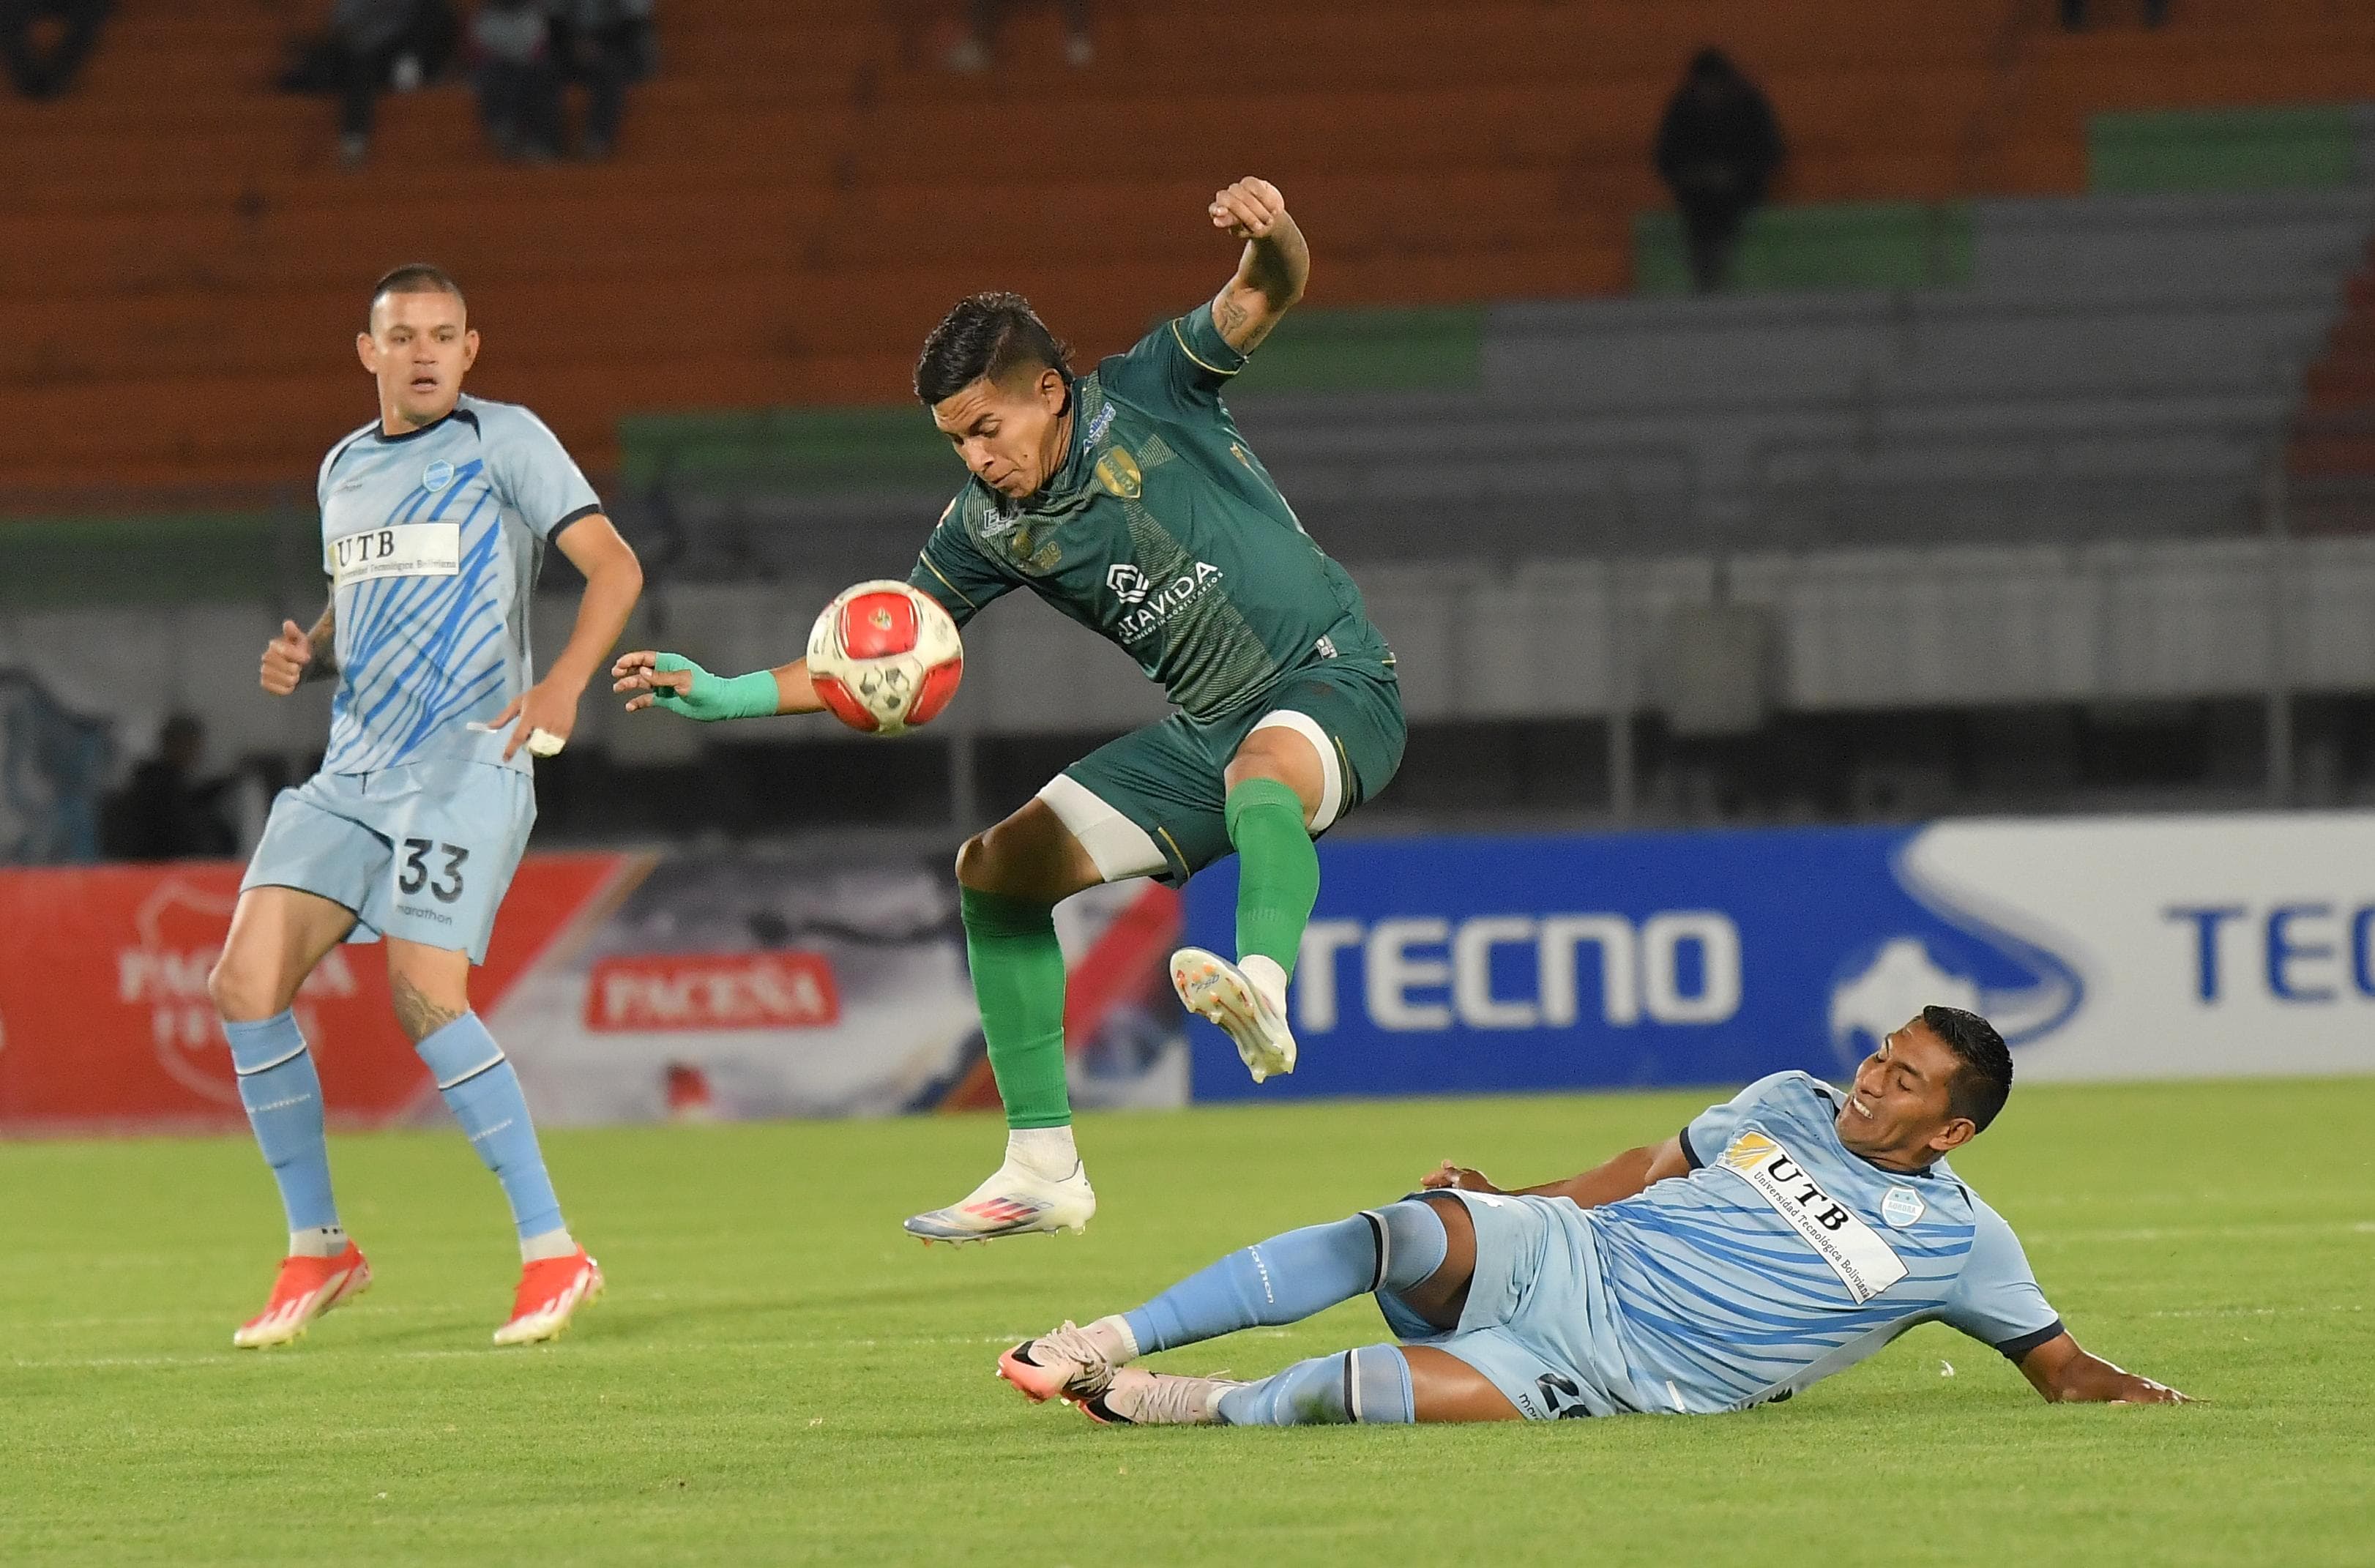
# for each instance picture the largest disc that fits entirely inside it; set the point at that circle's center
(1018, 978)
(1278, 870)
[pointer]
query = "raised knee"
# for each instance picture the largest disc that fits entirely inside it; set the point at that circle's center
(976, 864)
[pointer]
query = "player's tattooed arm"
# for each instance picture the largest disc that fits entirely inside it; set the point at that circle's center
(1275, 265)
(2066, 1374)
(324, 642)
(296, 655)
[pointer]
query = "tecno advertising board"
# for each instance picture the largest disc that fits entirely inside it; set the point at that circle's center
(2103, 948)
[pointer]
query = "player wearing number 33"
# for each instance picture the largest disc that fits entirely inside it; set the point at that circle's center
(1127, 498)
(435, 519)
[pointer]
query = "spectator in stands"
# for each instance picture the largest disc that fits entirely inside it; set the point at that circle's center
(166, 812)
(1719, 148)
(373, 45)
(973, 51)
(609, 45)
(42, 72)
(518, 80)
(2074, 14)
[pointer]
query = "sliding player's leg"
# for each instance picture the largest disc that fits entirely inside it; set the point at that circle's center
(1009, 881)
(1331, 740)
(277, 935)
(1418, 1254)
(1374, 1385)
(431, 991)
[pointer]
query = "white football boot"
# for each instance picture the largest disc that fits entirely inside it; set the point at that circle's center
(1211, 988)
(1139, 1397)
(1015, 1201)
(1070, 1362)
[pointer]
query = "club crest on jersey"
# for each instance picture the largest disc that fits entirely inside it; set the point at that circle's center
(1852, 1249)
(1118, 472)
(437, 476)
(1900, 1207)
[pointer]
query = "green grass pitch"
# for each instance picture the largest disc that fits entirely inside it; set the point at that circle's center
(779, 1376)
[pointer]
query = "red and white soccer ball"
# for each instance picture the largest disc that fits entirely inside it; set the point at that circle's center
(885, 657)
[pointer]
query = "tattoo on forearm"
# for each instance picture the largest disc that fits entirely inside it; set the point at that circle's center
(1230, 316)
(418, 1016)
(324, 639)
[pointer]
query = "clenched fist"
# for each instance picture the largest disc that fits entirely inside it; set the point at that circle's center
(1248, 210)
(284, 659)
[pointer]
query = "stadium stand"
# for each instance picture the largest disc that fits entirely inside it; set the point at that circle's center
(803, 181)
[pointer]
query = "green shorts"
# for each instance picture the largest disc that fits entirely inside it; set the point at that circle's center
(1151, 803)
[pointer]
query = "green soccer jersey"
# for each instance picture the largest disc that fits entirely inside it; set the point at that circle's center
(1163, 533)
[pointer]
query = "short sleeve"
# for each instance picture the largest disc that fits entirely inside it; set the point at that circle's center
(1996, 1298)
(953, 570)
(535, 474)
(1707, 1134)
(1181, 364)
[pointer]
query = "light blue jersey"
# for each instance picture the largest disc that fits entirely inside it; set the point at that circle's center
(433, 540)
(416, 823)
(1780, 1259)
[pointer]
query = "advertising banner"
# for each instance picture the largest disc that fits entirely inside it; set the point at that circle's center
(624, 987)
(738, 984)
(2102, 949)
(104, 1016)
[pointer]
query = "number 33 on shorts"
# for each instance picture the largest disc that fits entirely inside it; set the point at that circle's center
(414, 872)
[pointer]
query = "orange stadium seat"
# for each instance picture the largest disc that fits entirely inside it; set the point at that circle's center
(804, 190)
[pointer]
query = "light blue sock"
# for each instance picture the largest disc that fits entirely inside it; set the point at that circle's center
(1371, 1386)
(484, 1092)
(283, 1096)
(1288, 1278)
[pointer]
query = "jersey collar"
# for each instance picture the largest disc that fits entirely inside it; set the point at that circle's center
(379, 430)
(1066, 487)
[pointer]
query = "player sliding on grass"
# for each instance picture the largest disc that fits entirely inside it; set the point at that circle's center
(434, 517)
(1781, 1237)
(1127, 500)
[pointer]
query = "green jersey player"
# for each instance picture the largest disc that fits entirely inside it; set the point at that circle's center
(1127, 498)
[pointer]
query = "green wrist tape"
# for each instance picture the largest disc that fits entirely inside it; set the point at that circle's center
(752, 696)
(714, 696)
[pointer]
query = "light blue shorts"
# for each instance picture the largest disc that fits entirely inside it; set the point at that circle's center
(424, 851)
(1532, 1311)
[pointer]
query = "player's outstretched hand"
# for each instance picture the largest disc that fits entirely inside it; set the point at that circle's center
(1459, 1176)
(641, 678)
(1248, 210)
(547, 713)
(285, 659)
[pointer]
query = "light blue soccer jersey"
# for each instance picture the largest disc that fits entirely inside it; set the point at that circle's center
(1783, 1258)
(433, 540)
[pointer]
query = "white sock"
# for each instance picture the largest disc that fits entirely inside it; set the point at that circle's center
(321, 1241)
(1112, 1336)
(552, 1243)
(1043, 1152)
(1268, 978)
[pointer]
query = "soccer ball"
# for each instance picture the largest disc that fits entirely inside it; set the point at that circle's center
(885, 657)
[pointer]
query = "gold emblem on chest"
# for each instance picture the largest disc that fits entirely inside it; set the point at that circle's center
(1118, 472)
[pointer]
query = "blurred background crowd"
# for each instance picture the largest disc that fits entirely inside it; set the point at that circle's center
(1736, 410)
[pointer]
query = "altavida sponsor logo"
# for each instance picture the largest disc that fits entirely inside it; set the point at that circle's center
(1151, 604)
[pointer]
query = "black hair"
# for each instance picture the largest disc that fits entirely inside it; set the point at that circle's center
(985, 336)
(1983, 1080)
(412, 277)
